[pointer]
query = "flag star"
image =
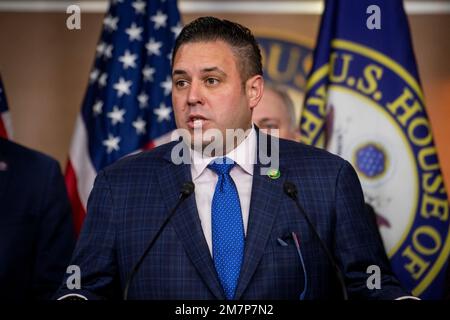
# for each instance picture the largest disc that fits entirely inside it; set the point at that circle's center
(167, 86)
(112, 143)
(139, 6)
(153, 47)
(169, 57)
(93, 76)
(159, 19)
(110, 22)
(134, 33)
(128, 60)
(107, 53)
(176, 29)
(102, 80)
(163, 112)
(148, 73)
(97, 107)
(139, 125)
(116, 115)
(117, 1)
(100, 49)
(143, 100)
(122, 87)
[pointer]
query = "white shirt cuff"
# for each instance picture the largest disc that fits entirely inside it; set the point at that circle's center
(407, 298)
(72, 296)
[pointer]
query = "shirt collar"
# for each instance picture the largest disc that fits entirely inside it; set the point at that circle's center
(243, 155)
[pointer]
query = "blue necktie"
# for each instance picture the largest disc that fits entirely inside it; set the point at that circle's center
(227, 227)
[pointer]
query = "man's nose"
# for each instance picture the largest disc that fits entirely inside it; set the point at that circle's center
(195, 95)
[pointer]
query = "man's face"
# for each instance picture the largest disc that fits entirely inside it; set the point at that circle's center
(272, 113)
(208, 90)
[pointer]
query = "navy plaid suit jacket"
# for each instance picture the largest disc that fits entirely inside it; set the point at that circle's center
(131, 198)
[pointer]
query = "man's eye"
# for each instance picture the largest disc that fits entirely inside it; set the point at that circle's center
(268, 126)
(181, 83)
(212, 81)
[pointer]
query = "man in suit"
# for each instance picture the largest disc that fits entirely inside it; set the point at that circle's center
(36, 230)
(235, 237)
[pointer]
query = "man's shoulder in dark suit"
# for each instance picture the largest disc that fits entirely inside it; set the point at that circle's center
(37, 233)
(25, 157)
(291, 149)
(150, 159)
(308, 161)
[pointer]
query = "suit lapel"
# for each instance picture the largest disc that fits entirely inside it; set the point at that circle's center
(265, 200)
(186, 223)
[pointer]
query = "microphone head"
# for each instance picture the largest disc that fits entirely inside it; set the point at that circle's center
(290, 189)
(187, 188)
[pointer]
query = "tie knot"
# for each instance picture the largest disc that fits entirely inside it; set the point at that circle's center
(221, 165)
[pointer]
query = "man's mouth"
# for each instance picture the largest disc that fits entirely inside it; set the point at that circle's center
(196, 121)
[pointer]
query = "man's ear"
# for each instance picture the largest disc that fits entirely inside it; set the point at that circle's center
(254, 88)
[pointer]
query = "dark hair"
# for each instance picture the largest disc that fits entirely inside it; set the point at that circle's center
(240, 39)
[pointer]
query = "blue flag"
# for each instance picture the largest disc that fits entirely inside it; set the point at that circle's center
(364, 102)
(127, 107)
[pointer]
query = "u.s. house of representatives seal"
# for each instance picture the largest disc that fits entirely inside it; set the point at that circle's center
(375, 118)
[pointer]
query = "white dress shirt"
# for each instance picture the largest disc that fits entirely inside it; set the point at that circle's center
(205, 180)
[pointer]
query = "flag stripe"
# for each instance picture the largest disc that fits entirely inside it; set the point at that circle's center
(81, 162)
(3, 132)
(78, 209)
(5, 118)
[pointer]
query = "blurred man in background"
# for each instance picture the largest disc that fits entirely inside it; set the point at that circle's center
(36, 229)
(276, 111)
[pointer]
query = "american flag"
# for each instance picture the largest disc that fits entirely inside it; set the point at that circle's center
(5, 118)
(127, 107)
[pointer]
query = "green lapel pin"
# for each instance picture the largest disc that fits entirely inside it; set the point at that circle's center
(274, 173)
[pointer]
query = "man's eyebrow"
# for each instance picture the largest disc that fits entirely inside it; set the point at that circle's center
(215, 69)
(178, 71)
(205, 70)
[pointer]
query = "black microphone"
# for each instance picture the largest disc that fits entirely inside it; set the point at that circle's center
(291, 190)
(186, 190)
